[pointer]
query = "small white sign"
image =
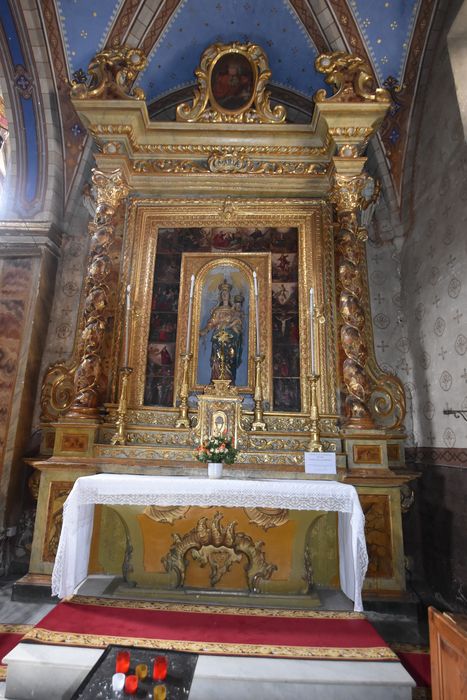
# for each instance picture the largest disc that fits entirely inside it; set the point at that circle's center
(320, 463)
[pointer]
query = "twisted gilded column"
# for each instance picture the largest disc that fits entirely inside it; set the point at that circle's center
(350, 238)
(352, 114)
(110, 190)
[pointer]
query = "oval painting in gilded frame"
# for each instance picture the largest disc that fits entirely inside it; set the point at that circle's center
(232, 82)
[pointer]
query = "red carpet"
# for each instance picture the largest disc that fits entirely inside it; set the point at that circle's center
(96, 622)
(10, 636)
(416, 661)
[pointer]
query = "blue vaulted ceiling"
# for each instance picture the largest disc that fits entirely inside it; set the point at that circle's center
(385, 25)
(273, 24)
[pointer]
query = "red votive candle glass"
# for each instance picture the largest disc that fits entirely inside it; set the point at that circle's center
(159, 671)
(131, 684)
(122, 663)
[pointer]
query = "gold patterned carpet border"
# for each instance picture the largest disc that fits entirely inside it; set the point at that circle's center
(214, 609)
(90, 640)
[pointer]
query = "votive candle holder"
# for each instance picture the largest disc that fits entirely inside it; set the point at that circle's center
(159, 671)
(131, 684)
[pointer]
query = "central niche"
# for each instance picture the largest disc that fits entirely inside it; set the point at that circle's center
(173, 245)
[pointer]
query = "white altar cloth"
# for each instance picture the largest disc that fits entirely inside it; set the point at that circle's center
(71, 561)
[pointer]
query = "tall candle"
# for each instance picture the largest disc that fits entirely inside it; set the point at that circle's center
(126, 337)
(190, 309)
(255, 285)
(312, 331)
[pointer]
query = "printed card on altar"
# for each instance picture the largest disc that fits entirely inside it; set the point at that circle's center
(320, 463)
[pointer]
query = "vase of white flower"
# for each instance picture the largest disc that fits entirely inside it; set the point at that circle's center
(216, 451)
(215, 470)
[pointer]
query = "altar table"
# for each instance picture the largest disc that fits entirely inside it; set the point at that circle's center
(71, 561)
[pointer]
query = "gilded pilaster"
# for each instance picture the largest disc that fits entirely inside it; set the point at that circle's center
(110, 190)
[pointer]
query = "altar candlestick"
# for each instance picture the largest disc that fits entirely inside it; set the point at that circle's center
(255, 284)
(190, 310)
(126, 338)
(312, 331)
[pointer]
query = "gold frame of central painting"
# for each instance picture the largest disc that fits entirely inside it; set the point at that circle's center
(149, 220)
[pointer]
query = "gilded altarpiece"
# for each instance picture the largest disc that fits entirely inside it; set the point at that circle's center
(198, 206)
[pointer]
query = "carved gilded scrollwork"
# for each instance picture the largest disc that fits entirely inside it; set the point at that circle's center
(220, 547)
(113, 72)
(166, 514)
(255, 106)
(57, 390)
(351, 79)
(110, 190)
(387, 401)
(347, 195)
(268, 517)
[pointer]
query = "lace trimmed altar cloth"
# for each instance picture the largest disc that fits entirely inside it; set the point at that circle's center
(71, 561)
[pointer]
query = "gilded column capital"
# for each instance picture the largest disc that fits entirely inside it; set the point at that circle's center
(347, 192)
(111, 187)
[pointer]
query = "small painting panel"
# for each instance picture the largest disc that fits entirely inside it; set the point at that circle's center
(168, 267)
(284, 240)
(232, 81)
(284, 267)
(165, 297)
(225, 239)
(257, 240)
(367, 454)
(286, 394)
(163, 328)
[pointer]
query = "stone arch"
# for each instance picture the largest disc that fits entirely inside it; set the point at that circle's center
(34, 142)
(457, 48)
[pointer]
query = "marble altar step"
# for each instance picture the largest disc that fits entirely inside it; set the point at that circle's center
(47, 672)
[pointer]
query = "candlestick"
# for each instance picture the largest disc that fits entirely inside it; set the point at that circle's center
(183, 420)
(119, 437)
(258, 419)
(315, 444)
(312, 331)
(255, 284)
(126, 337)
(190, 310)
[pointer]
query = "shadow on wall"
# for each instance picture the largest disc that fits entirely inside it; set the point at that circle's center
(434, 536)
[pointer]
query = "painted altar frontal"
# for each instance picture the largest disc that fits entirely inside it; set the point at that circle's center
(209, 233)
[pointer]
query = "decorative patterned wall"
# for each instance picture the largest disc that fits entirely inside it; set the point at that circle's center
(388, 316)
(434, 263)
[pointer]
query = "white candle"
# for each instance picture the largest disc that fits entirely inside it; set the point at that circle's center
(312, 331)
(255, 285)
(190, 309)
(126, 337)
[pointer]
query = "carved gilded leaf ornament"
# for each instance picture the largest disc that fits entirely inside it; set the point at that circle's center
(232, 80)
(113, 72)
(350, 77)
(210, 543)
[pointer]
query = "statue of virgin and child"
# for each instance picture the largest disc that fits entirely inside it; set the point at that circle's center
(226, 323)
